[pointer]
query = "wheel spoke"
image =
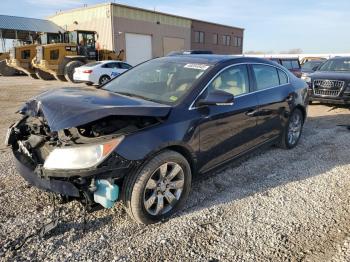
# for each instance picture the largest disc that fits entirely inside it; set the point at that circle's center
(151, 184)
(170, 197)
(160, 204)
(150, 201)
(176, 184)
(176, 169)
(163, 169)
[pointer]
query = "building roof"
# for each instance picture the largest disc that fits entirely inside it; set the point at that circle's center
(17, 23)
(142, 9)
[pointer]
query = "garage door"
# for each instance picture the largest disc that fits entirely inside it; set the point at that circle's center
(138, 48)
(173, 44)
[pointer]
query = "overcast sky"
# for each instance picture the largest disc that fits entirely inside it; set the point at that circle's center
(270, 25)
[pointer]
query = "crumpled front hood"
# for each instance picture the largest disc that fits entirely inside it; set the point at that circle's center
(71, 107)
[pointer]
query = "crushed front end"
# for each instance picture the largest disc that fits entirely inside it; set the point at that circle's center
(79, 162)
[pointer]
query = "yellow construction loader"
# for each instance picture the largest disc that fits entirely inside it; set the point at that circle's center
(21, 56)
(61, 59)
(5, 70)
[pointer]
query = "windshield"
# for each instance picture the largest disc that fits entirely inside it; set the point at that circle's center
(160, 80)
(311, 65)
(336, 65)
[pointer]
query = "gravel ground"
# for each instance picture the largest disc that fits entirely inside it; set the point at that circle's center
(277, 205)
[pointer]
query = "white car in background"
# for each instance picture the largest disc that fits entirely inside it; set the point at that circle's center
(99, 72)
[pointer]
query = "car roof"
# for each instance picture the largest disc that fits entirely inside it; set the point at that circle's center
(108, 61)
(213, 59)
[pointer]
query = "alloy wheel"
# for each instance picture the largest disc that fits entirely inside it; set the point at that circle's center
(104, 80)
(164, 188)
(294, 128)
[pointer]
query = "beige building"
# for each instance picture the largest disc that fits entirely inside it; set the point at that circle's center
(145, 34)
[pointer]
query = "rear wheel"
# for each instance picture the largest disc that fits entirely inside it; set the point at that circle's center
(6, 70)
(292, 132)
(104, 79)
(69, 70)
(159, 189)
(44, 75)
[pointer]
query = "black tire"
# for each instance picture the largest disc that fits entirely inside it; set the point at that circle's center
(44, 75)
(103, 79)
(6, 70)
(134, 187)
(285, 141)
(69, 70)
(61, 78)
(89, 84)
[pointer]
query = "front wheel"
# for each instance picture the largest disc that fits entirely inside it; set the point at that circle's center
(292, 131)
(159, 189)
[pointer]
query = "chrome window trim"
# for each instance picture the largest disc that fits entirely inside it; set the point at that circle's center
(192, 107)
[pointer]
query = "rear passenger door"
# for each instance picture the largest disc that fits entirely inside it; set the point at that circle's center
(273, 93)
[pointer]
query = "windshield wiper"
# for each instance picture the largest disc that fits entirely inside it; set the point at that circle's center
(134, 95)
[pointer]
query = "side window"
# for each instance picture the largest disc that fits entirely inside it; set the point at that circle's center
(125, 66)
(295, 64)
(109, 65)
(117, 65)
(233, 80)
(283, 77)
(266, 76)
(287, 64)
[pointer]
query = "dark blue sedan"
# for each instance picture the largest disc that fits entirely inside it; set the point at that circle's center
(142, 136)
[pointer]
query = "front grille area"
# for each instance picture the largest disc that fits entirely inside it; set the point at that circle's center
(323, 92)
(324, 87)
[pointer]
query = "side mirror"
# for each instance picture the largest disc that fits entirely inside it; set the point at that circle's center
(215, 98)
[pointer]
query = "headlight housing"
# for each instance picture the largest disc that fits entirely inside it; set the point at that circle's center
(306, 78)
(80, 157)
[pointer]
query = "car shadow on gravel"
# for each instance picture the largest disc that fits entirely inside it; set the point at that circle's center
(89, 224)
(320, 149)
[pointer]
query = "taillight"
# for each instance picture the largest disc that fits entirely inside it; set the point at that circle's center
(87, 71)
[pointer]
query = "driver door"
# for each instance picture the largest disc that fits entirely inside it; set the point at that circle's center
(228, 130)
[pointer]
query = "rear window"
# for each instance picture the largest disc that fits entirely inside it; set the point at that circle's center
(290, 64)
(266, 76)
(93, 64)
(283, 77)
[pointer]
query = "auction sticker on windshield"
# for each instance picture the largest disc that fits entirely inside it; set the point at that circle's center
(197, 66)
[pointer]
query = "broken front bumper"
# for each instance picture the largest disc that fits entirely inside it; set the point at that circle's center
(54, 185)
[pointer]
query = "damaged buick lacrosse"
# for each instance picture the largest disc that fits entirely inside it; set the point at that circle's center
(142, 136)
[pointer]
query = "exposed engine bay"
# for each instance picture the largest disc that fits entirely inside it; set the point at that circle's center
(34, 138)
